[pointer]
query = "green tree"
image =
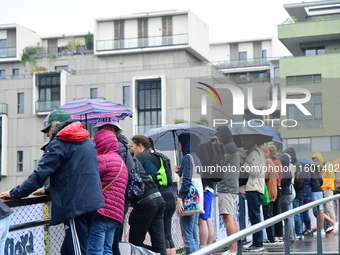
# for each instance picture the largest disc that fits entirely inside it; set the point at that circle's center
(89, 41)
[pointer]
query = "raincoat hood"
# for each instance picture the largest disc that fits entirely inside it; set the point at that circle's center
(189, 142)
(225, 136)
(292, 153)
(319, 156)
(106, 142)
(72, 131)
(266, 151)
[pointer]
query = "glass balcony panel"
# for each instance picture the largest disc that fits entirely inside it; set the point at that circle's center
(46, 106)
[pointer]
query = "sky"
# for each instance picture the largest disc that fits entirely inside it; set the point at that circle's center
(227, 20)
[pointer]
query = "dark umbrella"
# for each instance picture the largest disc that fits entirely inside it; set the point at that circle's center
(166, 137)
(260, 136)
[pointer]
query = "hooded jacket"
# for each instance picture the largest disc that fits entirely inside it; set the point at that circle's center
(111, 168)
(277, 162)
(190, 143)
(229, 184)
(253, 165)
(4, 210)
(286, 182)
(271, 175)
(327, 172)
(71, 162)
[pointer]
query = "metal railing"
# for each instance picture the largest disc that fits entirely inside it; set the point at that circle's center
(237, 237)
(145, 42)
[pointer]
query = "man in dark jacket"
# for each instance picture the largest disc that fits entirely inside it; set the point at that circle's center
(70, 160)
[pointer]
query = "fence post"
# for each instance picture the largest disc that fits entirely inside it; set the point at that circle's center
(287, 244)
(318, 231)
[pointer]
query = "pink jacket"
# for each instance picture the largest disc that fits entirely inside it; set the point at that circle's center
(109, 166)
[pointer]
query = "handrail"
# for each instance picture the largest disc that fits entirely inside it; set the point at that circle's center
(237, 237)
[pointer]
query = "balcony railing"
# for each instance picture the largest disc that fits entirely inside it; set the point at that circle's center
(46, 106)
(146, 42)
(8, 52)
(3, 108)
(53, 52)
(228, 64)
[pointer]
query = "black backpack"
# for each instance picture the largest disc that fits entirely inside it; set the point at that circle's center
(163, 177)
(213, 156)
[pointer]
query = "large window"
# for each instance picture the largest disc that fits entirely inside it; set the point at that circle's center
(314, 106)
(21, 102)
(119, 34)
(20, 161)
(142, 32)
(303, 79)
(264, 53)
(167, 30)
(49, 91)
(149, 106)
(315, 51)
(3, 48)
(126, 96)
(16, 73)
(300, 144)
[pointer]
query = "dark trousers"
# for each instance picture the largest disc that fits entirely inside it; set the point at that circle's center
(148, 217)
(277, 211)
(170, 208)
(267, 214)
(254, 202)
(77, 231)
(118, 234)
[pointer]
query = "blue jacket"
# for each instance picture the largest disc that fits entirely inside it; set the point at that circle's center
(70, 160)
(190, 143)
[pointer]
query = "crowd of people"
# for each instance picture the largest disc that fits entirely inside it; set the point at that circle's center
(89, 180)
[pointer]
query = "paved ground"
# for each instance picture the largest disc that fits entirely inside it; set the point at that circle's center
(309, 244)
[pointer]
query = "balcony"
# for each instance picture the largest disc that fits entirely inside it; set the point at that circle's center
(252, 62)
(147, 42)
(295, 34)
(54, 52)
(3, 108)
(46, 106)
(8, 52)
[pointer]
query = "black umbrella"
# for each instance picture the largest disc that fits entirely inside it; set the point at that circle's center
(260, 136)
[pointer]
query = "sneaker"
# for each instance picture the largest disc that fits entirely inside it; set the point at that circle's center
(330, 230)
(267, 242)
(229, 253)
(253, 248)
(300, 237)
(279, 239)
(247, 245)
(308, 232)
(323, 233)
(336, 228)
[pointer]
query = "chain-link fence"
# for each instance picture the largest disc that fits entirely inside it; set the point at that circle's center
(28, 237)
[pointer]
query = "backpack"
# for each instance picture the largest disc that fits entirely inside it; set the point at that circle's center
(163, 177)
(135, 186)
(213, 156)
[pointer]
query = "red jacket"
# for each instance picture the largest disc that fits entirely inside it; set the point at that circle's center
(109, 167)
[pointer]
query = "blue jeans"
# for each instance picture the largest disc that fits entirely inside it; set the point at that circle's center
(254, 202)
(305, 214)
(4, 227)
(101, 235)
(189, 225)
(298, 217)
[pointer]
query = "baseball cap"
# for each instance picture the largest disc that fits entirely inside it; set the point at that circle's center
(107, 119)
(57, 115)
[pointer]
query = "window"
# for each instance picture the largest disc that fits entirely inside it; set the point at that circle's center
(3, 48)
(314, 106)
(315, 51)
(61, 68)
(2, 74)
(300, 144)
(167, 30)
(94, 93)
(148, 104)
(126, 96)
(264, 53)
(242, 55)
(49, 91)
(303, 79)
(276, 76)
(335, 143)
(15, 73)
(20, 161)
(21, 102)
(119, 34)
(142, 32)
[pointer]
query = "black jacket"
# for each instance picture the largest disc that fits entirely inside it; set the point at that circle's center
(70, 159)
(4, 210)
